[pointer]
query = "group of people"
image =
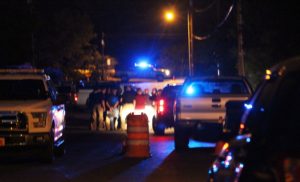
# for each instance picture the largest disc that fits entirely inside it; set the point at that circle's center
(109, 106)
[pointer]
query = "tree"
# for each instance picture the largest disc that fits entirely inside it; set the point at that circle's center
(63, 40)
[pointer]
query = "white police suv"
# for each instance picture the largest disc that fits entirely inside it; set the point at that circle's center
(31, 115)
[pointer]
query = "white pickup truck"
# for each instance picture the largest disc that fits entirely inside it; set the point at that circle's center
(199, 110)
(31, 115)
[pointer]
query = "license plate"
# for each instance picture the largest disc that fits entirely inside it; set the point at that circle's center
(2, 142)
(8, 121)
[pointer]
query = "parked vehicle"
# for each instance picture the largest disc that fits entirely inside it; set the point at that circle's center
(234, 112)
(31, 113)
(143, 70)
(68, 93)
(200, 107)
(164, 117)
(267, 147)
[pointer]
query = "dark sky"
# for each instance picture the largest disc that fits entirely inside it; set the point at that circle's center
(135, 28)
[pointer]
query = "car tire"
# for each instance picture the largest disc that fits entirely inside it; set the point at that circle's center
(60, 150)
(181, 138)
(48, 155)
(158, 127)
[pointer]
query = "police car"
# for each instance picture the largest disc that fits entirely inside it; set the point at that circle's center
(200, 107)
(31, 115)
(143, 70)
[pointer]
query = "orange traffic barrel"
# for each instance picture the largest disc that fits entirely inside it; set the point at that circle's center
(137, 144)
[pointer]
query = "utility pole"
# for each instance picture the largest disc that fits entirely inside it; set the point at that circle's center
(240, 64)
(190, 38)
(102, 57)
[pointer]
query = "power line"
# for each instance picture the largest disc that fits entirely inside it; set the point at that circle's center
(200, 38)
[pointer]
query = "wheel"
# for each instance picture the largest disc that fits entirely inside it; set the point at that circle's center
(48, 155)
(60, 150)
(160, 78)
(158, 127)
(181, 138)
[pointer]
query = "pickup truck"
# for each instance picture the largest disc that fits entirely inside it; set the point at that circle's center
(31, 113)
(199, 110)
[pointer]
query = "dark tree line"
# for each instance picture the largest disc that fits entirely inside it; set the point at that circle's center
(46, 35)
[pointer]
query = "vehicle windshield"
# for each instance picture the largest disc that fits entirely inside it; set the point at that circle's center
(22, 90)
(210, 87)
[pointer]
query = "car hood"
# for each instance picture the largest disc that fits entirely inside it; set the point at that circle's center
(25, 105)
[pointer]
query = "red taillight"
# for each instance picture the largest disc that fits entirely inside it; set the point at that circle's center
(242, 126)
(161, 102)
(161, 106)
(75, 97)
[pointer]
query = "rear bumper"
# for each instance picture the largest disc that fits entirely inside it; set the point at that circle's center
(202, 129)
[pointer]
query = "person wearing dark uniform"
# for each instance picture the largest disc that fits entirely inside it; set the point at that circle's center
(127, 105)
(97, 109)
(112, 104)
(140, 100)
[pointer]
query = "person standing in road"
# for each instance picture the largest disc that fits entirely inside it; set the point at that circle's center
(157, 98)
(112, 104)
(140, 100)
(127, 105)
(96, 102)
(146, 94)
(153, 95)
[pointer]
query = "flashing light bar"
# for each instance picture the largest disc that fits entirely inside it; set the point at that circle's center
(143, 65)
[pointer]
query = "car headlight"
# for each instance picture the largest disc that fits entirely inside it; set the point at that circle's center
(167, 72)
(39, 119)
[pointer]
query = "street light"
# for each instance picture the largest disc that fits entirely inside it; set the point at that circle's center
(170, 17)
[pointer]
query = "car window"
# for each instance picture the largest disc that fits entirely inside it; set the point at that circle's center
(211, 87)
(31, 89)
(285, 118)
(260, 105)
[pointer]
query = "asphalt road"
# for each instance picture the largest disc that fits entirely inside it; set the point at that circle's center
(97, 156)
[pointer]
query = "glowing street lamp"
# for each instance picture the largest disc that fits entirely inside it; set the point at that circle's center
(169, 15)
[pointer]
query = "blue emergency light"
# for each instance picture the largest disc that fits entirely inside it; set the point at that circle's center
(190, 90)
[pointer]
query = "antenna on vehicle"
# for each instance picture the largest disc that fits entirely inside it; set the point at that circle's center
(218, 69)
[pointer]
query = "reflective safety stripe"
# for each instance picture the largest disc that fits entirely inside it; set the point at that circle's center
(137, 122)
(141, 136)
(137, 142)
(137, 129)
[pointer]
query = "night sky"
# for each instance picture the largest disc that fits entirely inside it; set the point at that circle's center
(135, 28)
